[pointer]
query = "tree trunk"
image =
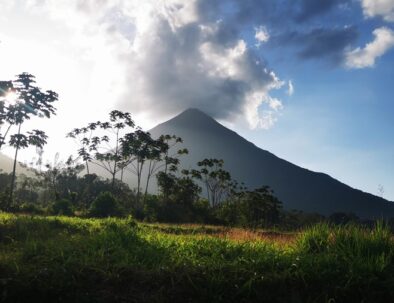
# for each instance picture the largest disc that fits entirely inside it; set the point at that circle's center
(113, 180)
(14, 168)
(87, 167)
(147, 181)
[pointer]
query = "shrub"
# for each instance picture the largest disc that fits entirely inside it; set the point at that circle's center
(4, 200)
(62, 207)
(340, 218)
(105, 205)
(30, 208)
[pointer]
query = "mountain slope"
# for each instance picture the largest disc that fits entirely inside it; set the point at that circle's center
(296, 187)
(7, 163)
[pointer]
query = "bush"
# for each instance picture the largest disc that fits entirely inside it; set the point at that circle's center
(4, 200)
(62, 207)
(105, 205)
(340, 218)
(31, 209)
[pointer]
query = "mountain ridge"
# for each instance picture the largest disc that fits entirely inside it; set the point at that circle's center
(207, 138)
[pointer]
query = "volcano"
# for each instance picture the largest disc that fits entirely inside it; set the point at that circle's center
(297, 187)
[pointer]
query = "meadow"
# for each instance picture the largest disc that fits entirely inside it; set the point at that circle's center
(64, 259)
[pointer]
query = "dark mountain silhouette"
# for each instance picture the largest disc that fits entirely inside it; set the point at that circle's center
(296, 187)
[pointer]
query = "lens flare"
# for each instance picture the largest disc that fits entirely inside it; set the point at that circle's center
(11, 97)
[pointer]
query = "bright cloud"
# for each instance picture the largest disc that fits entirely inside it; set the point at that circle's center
(366, 57)
(261, 35)
(382, 8)
(290, 89)
(158, 58)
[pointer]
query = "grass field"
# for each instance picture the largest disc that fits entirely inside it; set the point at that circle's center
(60, 259)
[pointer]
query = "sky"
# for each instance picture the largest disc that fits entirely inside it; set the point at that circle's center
(311, 81)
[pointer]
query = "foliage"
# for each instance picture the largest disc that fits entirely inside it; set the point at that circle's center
(217, 181)
(343, 218)
(27, 100)
(179, 197)
(62, 207)
(137, 148)
(257, 208)
(100, 142)
(105, 205)
(31, 208)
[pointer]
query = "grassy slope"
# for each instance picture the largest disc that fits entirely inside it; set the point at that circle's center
(113, 260)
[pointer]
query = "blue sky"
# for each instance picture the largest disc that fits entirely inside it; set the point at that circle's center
(340, 119)
(233, 59)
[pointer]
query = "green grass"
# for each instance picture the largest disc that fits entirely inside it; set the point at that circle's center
(60, 259)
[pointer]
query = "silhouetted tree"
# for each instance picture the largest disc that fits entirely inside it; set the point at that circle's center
(105, 205)
(261, 207)
(164, 157)
(137, 148)
(217, 181)
(57, 176)
(180, 195)
(20, 101)
(100, 142)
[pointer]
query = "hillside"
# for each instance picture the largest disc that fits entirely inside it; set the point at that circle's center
(6, 164)
(296, 187)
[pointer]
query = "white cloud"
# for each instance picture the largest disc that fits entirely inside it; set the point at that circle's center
(383, 8)
(156, 58)
(261, 35)
(262, 114)
(366, 57)
(290, 89)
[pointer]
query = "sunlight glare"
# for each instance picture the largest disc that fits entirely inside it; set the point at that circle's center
(11, 97)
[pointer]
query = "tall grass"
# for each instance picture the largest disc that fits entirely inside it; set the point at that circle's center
(117, 260)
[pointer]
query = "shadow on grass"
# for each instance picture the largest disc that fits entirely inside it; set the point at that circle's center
(188, 230)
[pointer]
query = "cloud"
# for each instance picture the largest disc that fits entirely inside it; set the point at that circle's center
(261, 35)
(311, 8)
(156, 58)
(321, 43)
(290, 89)
(266, 118)
(366, 57)
(171, 55)
(190, 66)
(382, 8)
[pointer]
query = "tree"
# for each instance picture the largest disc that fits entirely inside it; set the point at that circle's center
(57, 176)
(163, 157)
(342, 218)
(105, 205)
(217, 181)
(100, 142)
(137, 148)
(261, 207)
(20, 100)
(179, 196)
(62, 207)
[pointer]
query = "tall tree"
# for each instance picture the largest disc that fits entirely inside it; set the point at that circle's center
(137, 148)
(217, 181)
(261, 207)
(164, 157)
(20, 100)
(100, 142)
